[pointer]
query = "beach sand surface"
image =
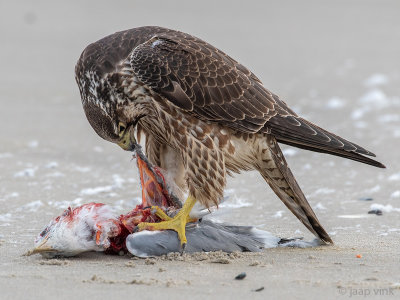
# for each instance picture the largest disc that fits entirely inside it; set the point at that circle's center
(334, 63)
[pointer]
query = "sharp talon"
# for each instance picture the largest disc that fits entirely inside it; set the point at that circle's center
(177, 223)
(183, 247)
(160, 213)
(147, 207)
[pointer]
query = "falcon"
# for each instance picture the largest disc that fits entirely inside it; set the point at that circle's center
(203, 115)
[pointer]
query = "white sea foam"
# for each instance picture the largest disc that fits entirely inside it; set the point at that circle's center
(336, 103)
(12, 195)
(96, 190)
(388, 118)
(82, 169)
(51, 165)
(358, 113)
(33, 144)
(65, 204)
(376, 80)
(374, 189)
(302, 244)
(323, 191)
(395, 194)
(278, 214)
(118, 183)
(236, 202)
(372, 99)
(353, 216)
(394, 177)
(5, 217)
(319, 206)
(375, 97)
(289, 152)
(31, 206)
(385, 208)
(28, 172)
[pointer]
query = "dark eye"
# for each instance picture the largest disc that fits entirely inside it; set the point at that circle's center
(44, 232)
(66, 212)
(121, 128)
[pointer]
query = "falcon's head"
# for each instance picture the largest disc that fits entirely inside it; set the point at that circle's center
(85, 228)
(111, 113)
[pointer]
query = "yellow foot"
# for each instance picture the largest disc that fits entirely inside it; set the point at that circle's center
(177, 223)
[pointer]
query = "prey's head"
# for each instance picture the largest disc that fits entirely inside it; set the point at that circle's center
(85, 228)
(106, 96)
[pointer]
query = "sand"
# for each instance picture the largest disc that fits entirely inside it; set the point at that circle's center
(334, 63)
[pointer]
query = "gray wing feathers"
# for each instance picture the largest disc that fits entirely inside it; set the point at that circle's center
(203, 236)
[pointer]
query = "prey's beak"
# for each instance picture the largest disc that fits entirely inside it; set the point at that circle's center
(41, 248)
(128, 140)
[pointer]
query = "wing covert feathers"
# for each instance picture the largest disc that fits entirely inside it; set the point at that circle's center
(206, 82)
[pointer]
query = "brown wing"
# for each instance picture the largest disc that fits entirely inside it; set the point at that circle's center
(200, 79)
(206, 82)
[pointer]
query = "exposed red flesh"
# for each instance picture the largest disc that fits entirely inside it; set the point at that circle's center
(154, 193)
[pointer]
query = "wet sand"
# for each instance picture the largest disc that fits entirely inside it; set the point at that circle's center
(335, 64)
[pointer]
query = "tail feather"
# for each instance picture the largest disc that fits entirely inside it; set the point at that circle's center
(278, 175)
(298, 132)
(337, 152)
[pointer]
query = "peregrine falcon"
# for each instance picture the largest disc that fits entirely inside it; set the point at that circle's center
(203, 114)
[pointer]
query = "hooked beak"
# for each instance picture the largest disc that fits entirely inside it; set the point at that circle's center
(128, 140)
(41, 248)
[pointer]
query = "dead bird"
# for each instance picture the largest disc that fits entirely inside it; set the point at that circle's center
(95, 227)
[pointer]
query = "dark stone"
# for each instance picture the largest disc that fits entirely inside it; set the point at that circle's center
(366, 198)
(240, 276)
(377, 212)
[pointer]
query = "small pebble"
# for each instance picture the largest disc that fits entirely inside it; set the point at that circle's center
(371, 279)
(366, 199)
(377, 212)
(358, 255)
(259, 289)
(240, 276)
